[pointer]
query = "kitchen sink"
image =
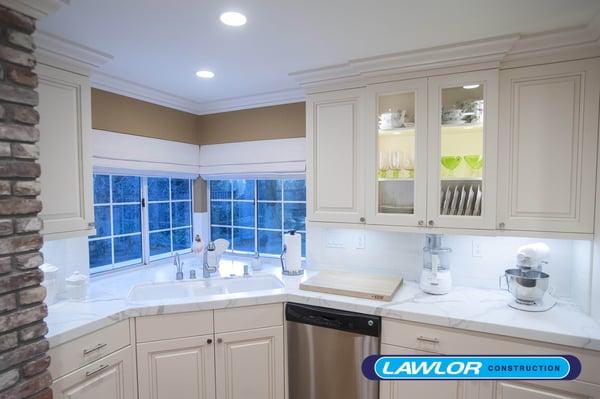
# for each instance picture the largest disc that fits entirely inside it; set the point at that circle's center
(178, 290)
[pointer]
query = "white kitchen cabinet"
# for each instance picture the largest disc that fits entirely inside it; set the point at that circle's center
(110, 377)
(548, 147)
(532, 390)
(454, 141)
(250, 364)
(65, 153)
(184, 366)
(335, 156)
(396, 153)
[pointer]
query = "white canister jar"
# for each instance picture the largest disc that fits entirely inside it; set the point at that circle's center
(76, 285)
(50, 282)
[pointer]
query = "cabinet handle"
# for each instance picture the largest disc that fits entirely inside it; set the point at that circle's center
(219, 340)
(94, 349)
(420, 223)
(209, 341)
(429, 340)
(99, 369)
(362, 220)
(430, 223)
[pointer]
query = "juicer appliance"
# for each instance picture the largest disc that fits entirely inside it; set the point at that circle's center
(435, 276)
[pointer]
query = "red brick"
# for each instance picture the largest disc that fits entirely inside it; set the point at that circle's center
(25, 151)
(19, 132)
(16, 20)
(22, 76)
(20, 39)
(25, 114)
(19, 206)
(28, 387)
(29, 261)
(45, 394)
(22, 353)
(22, 317)
(10, 168)
(16, 281)
(27, 188)
(5, 187)
(17, 56)
(34, 331)
(8, 379)
(36, 366)
(32, 295)
(5, 264)
(8, 302)
(9, 341)
(6, 227)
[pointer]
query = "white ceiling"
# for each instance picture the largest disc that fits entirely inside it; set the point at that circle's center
(161, 43)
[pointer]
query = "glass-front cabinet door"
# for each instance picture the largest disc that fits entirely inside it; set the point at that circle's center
(463, 124)
(397, 148)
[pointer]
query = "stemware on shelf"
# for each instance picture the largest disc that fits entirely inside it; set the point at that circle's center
(384, 164)
(450, 163)
(396, 158)
(475, 162)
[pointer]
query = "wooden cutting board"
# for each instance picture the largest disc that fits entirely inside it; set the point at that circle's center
(381, 288)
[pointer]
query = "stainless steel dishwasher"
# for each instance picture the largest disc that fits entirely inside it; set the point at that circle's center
(326, 348)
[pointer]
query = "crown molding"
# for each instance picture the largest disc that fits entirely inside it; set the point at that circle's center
(510, 50)
(35, 8)
(141, 92)
(62, 53)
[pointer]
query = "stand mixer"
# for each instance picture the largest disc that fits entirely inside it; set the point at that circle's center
(528, 283)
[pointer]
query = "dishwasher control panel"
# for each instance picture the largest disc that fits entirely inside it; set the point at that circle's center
(357, 323)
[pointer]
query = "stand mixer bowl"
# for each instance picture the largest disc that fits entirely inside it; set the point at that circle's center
(527, 286)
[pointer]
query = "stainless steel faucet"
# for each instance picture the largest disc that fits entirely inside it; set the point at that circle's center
(179, 265)
(210, 264)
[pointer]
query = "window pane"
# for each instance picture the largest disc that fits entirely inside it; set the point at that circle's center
(125, 189)
(158, 189)
(269, 242)
(220, 189)
(180, 189)
(269, 190)
(180, 214)
(294, 216)
(243, 214)
(243, 240)
(102, 220)
(220, 232)
(128, 248)
(126, 219)
(182, 239)
(158, 216)
(294, 190)
(220, 213)
(269, 216)
(100, 252)
(243, 189)
(160, 242)
(101, 189)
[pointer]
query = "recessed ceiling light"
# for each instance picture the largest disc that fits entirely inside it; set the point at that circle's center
(233, 18)
(205, 74)
(468, 87)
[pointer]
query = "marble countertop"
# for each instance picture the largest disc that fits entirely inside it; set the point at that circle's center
(464, 308)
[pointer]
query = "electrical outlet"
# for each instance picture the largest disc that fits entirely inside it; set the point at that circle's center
(477, 250)
(359, 240)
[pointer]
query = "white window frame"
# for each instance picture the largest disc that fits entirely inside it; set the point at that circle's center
(146, 258)
(256, 201)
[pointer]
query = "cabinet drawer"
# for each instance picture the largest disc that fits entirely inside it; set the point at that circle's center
(177, 325)
(249, 317)
(84, 350)
(455, 342)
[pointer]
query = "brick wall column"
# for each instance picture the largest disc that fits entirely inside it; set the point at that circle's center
(23, 358)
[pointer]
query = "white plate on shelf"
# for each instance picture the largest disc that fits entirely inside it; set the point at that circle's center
(454, 202)
(469, 210)
(446, 201)
(463, 199)
(477, 207)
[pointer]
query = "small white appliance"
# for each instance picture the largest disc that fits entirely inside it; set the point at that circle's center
(435, 276)
(291, 256)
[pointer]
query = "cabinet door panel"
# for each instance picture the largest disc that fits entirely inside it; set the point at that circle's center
(65, 153)
(334, 124)
(250, 364)
(548, 139)
(110, 377)
(568, 390)
(183, 365)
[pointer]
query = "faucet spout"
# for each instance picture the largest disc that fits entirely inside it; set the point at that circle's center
(179, 265)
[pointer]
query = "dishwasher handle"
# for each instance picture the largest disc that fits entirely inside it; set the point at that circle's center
(357, 323)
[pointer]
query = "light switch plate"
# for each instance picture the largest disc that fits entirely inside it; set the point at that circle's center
(477, 250)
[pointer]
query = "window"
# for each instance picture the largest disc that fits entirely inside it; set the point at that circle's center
(127, 231)
(253, 214)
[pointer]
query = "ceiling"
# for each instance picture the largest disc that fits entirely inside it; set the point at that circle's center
(161, 44)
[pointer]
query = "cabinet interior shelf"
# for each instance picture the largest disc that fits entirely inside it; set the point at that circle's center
(445, 179)
(401, 131)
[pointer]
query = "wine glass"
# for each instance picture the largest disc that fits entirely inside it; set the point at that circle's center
(384, 164)
(450, 162)
(395, 163)
(409, 166)
(475, 162)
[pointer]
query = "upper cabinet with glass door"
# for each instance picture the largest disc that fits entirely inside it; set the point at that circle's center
(397, 146)
(462, 150)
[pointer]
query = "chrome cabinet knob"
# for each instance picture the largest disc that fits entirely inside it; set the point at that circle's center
(362, 220)
(219, 340)
(420, 223)
(209, 341)
(430, 223)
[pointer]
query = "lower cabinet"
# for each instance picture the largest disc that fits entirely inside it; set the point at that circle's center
(407, 338)
(250, 364)
(184, 366)
(110, 377)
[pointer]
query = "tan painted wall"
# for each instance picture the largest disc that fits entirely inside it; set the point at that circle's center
(275, 122)
(121, 114)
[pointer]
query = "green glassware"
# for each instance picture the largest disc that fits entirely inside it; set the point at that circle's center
(451, 162)
(474, 161)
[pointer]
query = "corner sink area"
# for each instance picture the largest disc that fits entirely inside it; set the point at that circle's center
(180, 290)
